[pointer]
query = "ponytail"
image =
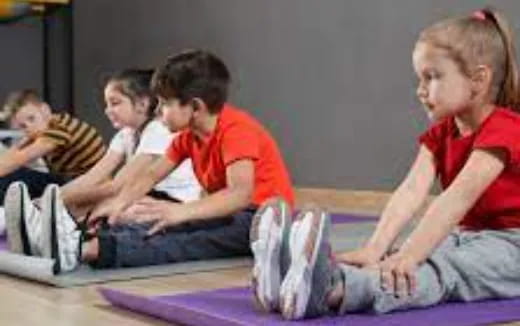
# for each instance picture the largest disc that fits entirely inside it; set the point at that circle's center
(509, 92)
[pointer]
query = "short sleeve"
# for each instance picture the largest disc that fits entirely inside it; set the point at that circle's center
(117, 144)
(435, 137)
(178, 150)
(155, 139)
(502, 130)
(240, 142)
(57, 136)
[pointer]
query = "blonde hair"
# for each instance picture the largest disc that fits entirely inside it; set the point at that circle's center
(17, 100)
(483, 38)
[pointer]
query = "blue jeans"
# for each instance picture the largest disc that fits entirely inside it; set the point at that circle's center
(129, 246)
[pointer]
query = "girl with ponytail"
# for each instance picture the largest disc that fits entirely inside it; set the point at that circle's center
(466, 247)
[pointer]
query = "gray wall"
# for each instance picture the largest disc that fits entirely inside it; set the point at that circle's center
(332, 79)
(21, 56)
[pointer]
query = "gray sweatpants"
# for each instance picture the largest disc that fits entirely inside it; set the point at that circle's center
(467, 266)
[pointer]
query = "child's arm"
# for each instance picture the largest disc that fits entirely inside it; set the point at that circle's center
(134, 190)
(132, 169)
(401, 207)
(481, 169)
(236, 196)
(93, 185)
(17, 157)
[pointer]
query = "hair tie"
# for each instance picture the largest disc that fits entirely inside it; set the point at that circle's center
(479, 14)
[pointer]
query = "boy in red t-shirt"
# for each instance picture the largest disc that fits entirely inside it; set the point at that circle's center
(234, 157)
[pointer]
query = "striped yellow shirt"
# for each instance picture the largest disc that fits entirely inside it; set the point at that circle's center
(79, 145)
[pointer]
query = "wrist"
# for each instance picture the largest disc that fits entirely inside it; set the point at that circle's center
(377, 248)
(413, 252)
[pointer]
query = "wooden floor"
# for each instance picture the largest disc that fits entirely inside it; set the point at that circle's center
(28, 303)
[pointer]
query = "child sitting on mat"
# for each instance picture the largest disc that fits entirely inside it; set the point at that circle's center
(467, 245)
(141, 139)
(234, 157)
(69, 146)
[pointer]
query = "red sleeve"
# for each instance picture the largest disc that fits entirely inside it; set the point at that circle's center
(240, 142)
(502, 130)
(434, 137)
(178, 150)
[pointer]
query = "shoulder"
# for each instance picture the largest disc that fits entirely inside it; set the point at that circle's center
(234, 120)
(156, 128)
(502, 120)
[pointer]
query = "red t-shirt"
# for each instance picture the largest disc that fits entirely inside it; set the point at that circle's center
(499, 205)
(237, 136)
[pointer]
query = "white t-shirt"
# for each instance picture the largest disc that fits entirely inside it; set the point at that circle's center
(155, 139)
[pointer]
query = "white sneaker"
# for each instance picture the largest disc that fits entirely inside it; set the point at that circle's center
(23, 222)
(61, 237)
(2, 221)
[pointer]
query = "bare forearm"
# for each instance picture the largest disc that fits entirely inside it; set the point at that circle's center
(400, 209)
(9, 162)
(136, 190)
(88, 193)
(219, 204)
(440, 219)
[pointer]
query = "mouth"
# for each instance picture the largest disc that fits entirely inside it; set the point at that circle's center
(428, 107)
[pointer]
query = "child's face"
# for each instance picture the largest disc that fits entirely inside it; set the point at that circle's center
(174, 115)
(443, 89)
(120, 109)
(31, 118)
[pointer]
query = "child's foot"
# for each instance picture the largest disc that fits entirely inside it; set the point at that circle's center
(269, 227)
(62, 239)
(22, 219)
(304, 290)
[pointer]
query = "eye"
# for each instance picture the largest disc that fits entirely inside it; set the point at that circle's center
(431, 75)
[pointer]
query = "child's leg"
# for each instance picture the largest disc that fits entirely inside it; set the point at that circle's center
(475, 266)
(313, 279)
(129, 245)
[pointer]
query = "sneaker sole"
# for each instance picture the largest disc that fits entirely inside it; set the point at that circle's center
(304, 243)
(266, 242)
(48, 215)
(17, 239)
(55, 223)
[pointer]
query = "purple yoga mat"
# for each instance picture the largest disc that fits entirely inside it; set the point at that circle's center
(233, 306)
(3, 243)
(338, 218)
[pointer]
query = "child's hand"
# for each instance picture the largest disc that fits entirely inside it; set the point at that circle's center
(110, 209)
(363, 257)
(161, 213)
(398, 274)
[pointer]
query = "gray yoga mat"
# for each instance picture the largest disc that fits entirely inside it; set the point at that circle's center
(349, 232)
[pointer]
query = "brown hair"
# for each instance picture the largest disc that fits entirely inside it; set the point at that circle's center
(16, 100)
(193, 74)
(483, 38)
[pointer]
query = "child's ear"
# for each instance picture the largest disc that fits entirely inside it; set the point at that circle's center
(482, 78)
(198, 105)
(144, 104)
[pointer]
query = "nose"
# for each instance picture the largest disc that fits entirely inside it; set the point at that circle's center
(108, 110)
(422, 91)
